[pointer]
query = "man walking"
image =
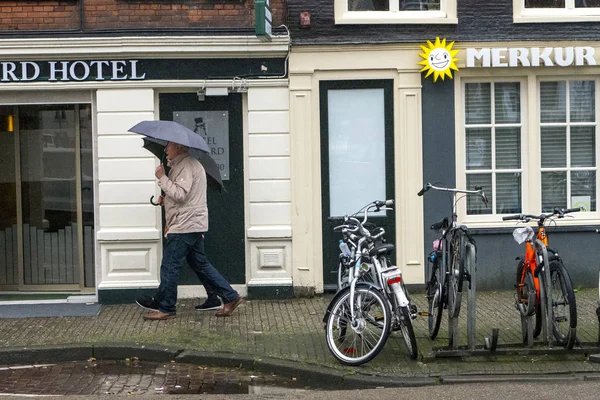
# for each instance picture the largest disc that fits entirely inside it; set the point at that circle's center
(186, 214)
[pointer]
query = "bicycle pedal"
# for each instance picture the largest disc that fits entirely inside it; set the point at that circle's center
(423, 313)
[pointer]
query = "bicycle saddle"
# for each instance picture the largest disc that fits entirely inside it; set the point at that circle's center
(384, 248)
(443, 224)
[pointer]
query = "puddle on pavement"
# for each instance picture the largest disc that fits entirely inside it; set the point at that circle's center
(132, 376)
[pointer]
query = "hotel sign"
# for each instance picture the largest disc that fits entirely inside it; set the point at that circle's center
(530, 57)
(78, 70)
(67, 71)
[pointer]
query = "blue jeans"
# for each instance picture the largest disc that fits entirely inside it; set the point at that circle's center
(190, 246)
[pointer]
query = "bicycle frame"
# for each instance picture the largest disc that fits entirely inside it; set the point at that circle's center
(530, 262)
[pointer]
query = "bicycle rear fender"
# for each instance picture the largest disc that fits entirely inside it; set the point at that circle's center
(339, 294)
(553, 254)
(468, 235)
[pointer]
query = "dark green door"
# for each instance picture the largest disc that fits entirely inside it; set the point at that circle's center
(219, 120)
(357, 158)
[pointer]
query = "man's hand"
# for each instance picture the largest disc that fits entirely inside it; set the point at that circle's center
(160, 172)
(161, 200)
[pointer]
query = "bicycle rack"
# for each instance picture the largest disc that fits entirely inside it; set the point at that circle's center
(598, 308)
(527, 323)
(471, 267)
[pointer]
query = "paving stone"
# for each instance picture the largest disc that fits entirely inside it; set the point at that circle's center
(278, 330)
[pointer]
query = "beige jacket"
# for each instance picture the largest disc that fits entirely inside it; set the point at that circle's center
(185, 196)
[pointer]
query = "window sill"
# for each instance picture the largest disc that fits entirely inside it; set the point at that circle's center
(546, 19)
(556, 16)
(563, 225)
(393, 19)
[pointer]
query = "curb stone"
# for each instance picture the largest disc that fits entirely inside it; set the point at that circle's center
(45, 354)
(458, 379)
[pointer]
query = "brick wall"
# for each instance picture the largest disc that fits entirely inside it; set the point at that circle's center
(28, 15)
(478, 20)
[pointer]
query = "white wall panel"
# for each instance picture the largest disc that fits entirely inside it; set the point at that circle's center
(126, 192)
(271, 263)
(125, 216)
(268, 99)
(118, 123)
(268, 122)
(264, 191)
(270, 214)
(122, 100)
(269, 145)
(121, 147)
(129, 265)
(269, 168)
(140, 169)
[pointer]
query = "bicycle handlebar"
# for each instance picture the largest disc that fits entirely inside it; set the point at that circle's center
(478, 190)
(352, 224)
(560, 212)
(425, 188)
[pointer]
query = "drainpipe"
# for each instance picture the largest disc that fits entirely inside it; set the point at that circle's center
(81, 16)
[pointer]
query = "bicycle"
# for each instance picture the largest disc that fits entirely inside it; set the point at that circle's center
(447, 273)
(531, 297)
(372, 300)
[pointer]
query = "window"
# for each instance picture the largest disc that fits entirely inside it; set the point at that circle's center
(521, 171)
(493, 145)
(395, 11)
(556, 10)
(568, 143)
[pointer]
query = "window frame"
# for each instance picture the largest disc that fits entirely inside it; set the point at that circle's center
(568, 125)
(494, 127)
(531, 183)
(542, 15)
(446, 15)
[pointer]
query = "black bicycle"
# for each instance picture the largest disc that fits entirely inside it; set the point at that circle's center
(447, 273)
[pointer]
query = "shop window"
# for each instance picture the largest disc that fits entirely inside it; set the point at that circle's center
(395, 11)
(529, 171)
(556, 10)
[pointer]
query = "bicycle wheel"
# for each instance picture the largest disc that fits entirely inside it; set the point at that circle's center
(357, 341)
(435, 300)
(408, 333)
(526, 299)
(457, 272)
(564, 308)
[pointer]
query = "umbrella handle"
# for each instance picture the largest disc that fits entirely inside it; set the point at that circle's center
(152, 201)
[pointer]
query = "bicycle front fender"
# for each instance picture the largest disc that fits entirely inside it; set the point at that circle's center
(340, 293)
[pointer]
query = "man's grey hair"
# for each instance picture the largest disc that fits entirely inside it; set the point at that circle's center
(183, 148)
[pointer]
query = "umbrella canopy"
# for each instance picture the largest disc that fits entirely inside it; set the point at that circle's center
(169, 131)
(157, 147)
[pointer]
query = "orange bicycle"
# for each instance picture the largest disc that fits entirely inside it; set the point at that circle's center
(532, 297)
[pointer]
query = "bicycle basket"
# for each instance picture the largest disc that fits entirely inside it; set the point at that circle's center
(523, 234)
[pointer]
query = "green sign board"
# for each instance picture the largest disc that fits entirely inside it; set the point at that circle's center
(264, 19)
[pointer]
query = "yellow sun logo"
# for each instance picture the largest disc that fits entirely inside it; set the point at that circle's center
(438, 59)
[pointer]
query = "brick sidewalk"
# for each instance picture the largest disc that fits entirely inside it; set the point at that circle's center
(292, 330)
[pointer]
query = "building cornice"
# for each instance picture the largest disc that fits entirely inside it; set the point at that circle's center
(144, 47)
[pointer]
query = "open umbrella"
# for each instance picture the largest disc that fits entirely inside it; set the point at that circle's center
(158, 133)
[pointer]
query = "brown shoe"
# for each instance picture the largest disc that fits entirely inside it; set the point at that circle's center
(158, 316)
(228, 308)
